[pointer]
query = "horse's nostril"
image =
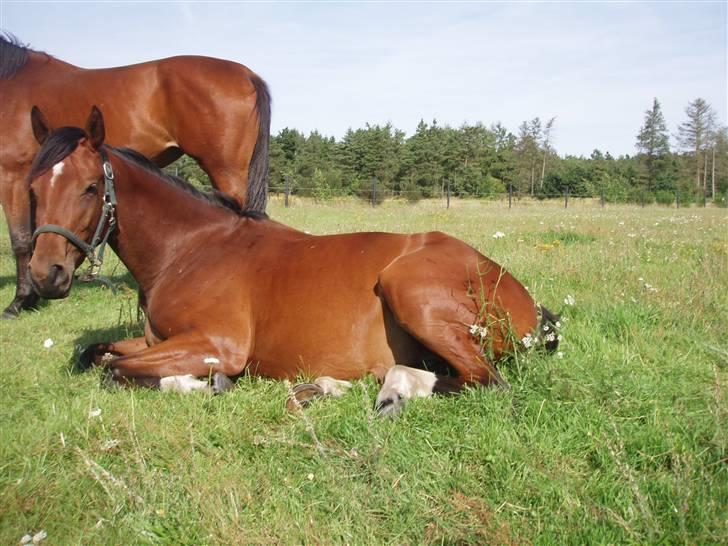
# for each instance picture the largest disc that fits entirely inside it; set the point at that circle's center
(57, 275)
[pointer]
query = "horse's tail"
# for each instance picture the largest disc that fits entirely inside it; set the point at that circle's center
(258, 168)
(548, 328)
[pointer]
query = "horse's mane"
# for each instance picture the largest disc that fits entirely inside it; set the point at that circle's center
(62, 142)
(13, 55)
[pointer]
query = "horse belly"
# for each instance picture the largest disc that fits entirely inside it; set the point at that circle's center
(328, 340)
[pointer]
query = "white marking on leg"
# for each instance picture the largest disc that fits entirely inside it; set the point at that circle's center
(402, 383)
(183, 384)
(331, 386)
(57, 171)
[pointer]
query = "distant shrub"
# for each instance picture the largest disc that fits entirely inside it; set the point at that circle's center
(665, 197)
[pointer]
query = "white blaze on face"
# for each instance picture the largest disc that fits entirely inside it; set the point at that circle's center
(56, 172)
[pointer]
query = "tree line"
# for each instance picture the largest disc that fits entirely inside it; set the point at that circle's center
(489, 161)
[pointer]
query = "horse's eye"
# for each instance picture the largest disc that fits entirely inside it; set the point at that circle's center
(91, 190)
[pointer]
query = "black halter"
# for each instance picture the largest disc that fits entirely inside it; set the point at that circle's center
(95, 250)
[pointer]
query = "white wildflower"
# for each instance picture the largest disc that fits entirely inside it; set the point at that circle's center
(528, 340)
(498, 235)
(569, 300)
(558, 324)
(94, 413)
(560, 354)
(546, 328)
(110, 444)
(48, 343)
(39, 537)
(310, 477)
(550, 337)
(478, 331)
(26, 539)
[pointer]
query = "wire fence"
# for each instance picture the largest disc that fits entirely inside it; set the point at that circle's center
(375, 195)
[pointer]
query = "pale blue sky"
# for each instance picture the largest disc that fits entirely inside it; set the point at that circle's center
(596, 66)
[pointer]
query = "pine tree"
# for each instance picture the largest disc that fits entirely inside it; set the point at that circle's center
(694, 133)
(653, 143)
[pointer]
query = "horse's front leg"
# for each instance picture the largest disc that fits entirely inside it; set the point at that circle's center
(190, 354)
(98, 354)
(15, 200)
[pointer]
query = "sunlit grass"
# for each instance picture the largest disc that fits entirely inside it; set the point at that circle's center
(620, 438)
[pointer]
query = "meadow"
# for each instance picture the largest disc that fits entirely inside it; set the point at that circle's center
(618, 438)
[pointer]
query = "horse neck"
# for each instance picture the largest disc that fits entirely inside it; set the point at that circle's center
(155, 220)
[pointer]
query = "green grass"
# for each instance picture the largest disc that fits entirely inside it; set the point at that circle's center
(619, 439)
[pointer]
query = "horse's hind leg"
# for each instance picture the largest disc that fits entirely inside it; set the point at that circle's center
(303, 394)
(439, 314)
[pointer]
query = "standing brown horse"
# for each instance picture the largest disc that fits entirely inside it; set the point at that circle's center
(226, 292)
(216, 111)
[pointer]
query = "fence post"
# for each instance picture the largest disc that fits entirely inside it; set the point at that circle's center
(642, 199)
(448, 193)
(677, 199)
(374, 191)
(705, 199)
(602, 197)
(566, 197)
(286, 190)
(510, 194)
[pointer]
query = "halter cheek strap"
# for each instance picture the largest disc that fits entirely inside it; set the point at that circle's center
(107, 222)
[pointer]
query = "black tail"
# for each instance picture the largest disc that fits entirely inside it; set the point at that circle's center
(258, 168)
(548, 329)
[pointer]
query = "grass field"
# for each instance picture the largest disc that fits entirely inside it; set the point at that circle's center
(619, 438)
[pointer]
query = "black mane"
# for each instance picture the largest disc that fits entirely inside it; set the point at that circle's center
(13, 55)
(62, 142)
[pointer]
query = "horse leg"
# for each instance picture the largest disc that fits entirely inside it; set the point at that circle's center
(304, 393)
(441, 324)
(184, 355)
(98, 354)
(16, 204)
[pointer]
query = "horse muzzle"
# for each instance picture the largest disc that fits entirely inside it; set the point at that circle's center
(52, 281)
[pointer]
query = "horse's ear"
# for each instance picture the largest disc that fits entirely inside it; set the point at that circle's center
(41, 127)
(95, 130)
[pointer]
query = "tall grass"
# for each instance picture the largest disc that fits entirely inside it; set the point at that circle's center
(619, 438)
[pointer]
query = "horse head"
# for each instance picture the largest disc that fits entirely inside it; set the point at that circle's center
(69, 184)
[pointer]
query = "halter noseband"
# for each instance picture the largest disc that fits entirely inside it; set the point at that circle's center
(107, 220)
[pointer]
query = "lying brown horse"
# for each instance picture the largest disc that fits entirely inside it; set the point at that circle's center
(226, 292)
(161, 108)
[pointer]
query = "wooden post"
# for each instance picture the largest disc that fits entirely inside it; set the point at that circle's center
(448, 193)
(510, 194)
(287, 190)
(566, 197)
(677, 199)
(374, 191)
(602, 199)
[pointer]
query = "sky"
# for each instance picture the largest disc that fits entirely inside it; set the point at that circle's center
(331, 66)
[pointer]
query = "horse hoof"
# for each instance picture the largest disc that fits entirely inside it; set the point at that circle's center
(302, 395)
(95, 354)
(221, 383)
(390, 407)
